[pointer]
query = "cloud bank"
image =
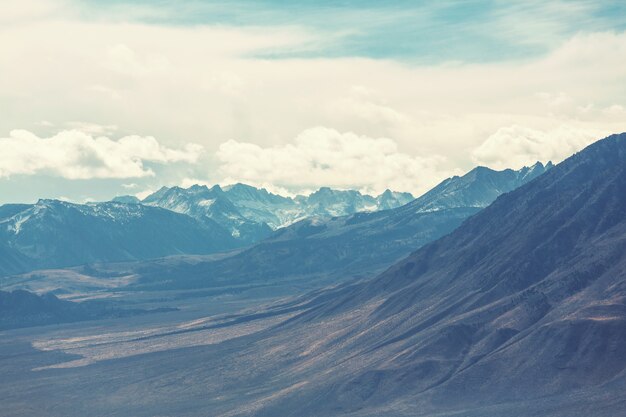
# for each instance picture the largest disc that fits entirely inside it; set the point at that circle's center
(326, 157)
(74, 154)
(517, 146)
(62, 64)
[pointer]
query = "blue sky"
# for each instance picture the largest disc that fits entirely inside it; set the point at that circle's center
(102, 98)
(412, 31)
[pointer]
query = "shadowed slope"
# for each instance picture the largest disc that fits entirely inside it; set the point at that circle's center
(525, 299)
(54, 233)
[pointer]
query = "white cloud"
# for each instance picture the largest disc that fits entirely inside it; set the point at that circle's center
(615, 110)
(26, 10)
(517, 146)
(60, 66)
(74, 154)
(325, 157)
(366, 105)
(122, 59)
(554, 99)
(91, 128)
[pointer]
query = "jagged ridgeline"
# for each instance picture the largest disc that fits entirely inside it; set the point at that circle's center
(333, 249)
(197, 220)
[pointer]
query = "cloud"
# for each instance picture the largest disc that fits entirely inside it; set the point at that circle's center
(91, 128)
(367, 106)
(123, 60)
(137, 77)
(554, 99)
(517, 146)
(615, 110)
(75, 154)
(114, 69)
(325, 157)
(28, 10)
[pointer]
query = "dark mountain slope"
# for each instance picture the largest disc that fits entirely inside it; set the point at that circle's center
(53, 233)
(360, 244)
(526, 300)
(478, 188)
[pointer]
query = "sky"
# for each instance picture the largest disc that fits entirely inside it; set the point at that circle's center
(103, 98)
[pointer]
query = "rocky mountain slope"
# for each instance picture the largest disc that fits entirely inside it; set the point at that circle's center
(522, 308)
(54, 233)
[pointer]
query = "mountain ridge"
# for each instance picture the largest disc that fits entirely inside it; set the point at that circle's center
(44, 234)
(247, 203)
(524, 301)
(339, 248)
(212, 223)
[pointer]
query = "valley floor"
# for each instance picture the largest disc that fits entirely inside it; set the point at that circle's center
(207, 360)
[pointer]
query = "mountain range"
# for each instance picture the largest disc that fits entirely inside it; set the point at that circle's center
(212, 205)
(202, 220)
(53, 233)
(171, 221)
(250, 214)
(520, 311)
(324, 249)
